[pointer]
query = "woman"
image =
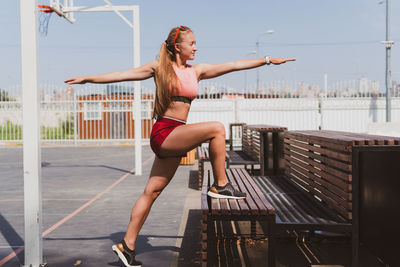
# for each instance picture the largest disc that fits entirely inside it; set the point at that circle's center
(171, 137)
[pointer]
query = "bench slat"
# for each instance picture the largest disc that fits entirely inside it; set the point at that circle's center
(251, 193)
(244, 207)
(215, 206)
(344, 185)
(331, 136)
(302, 179)
(322, 188)
(322, 183)
(262, 127)
(322, 137)
(310, 168)
(256, 189)
(204, 202)
(377, 139)
(323, 159)
(235, 209)
(223, 203)
(253, 208)
(324, 151)
(330, 202)
(310, 161)
(282, 209)
(307, 210)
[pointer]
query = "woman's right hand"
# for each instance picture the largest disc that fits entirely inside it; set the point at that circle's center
(280, 60)
(76, 80)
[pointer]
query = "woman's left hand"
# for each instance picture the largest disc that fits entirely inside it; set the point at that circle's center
(280, 60)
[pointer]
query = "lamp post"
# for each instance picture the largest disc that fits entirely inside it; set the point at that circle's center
(257, 52)
(388, 44)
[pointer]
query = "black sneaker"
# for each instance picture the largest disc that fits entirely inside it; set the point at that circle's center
(126, 255)
(226, 191)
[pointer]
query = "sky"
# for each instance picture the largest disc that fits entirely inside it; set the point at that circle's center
(341, 38)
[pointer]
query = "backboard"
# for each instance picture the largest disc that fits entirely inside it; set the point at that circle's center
(61, 6)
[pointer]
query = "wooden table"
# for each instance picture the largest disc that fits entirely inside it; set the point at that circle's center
(267, 145)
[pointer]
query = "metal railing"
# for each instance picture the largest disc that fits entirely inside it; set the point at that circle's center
(104, 113)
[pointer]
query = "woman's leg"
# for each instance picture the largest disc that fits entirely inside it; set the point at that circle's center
(187, 137)
(182, 139)
(161, 173)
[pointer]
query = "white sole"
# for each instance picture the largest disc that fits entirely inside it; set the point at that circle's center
(122, 257)
(214, 195)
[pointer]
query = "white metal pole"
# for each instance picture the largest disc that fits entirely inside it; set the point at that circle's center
(322, 100)
(258, 69)
(75, 120)
(138, 102)
(31, 134)
(388, 44)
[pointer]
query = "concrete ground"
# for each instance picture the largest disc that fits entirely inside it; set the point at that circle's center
(75, 176)
(88, 193)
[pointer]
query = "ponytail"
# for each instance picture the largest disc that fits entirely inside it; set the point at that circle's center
(165, 76)
(165, 79)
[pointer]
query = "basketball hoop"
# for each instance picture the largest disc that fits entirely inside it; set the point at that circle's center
(44, 18)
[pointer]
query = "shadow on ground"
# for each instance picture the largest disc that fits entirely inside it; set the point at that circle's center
(193, 182)
(11, 236)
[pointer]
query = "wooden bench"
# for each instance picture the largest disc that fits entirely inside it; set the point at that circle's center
(235, 130)
(321, 186)
(214, 211)
(261, 145)
(203, 157)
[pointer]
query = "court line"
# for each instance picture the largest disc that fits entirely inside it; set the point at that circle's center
(43, 214)
(55, 226)
(19, 163)
(47, 199)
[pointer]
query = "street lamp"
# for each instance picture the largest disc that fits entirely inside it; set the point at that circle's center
(388, 44)
(257, 52)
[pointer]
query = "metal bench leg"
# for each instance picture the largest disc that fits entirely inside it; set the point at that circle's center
(253, 229)
(211, 243)
(271, 241)
(355, 247)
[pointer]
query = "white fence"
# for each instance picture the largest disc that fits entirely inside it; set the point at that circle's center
(105, 112)
(355, 114)
(294, 113)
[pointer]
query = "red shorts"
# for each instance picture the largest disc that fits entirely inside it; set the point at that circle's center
(161, 129)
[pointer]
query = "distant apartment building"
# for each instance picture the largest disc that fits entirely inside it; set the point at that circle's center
(365, 86)
(308, 91)
(395, 88)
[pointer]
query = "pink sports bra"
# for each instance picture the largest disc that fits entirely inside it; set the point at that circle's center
(188, 85)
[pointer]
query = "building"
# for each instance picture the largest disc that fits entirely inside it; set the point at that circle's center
(111, 115)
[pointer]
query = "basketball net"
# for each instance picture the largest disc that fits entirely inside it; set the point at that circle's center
(44, 18)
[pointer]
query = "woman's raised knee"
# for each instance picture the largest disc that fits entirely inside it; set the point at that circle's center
(218, 128)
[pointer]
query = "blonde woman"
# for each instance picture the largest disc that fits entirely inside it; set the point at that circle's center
(177, 86)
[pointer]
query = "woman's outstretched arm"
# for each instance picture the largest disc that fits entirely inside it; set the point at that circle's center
(137, 74)
(208, 71)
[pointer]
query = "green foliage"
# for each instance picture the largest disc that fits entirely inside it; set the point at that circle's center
(4, 97)
(11, 132)
(68, 125)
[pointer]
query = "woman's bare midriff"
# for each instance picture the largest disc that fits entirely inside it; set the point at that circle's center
(178, 110)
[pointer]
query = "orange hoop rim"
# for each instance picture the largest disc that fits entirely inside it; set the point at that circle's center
(48, 9)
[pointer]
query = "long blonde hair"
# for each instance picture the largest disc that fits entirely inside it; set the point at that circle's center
(165, 76)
